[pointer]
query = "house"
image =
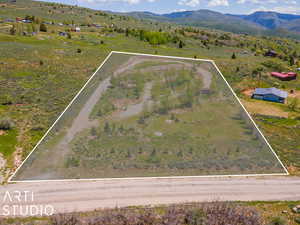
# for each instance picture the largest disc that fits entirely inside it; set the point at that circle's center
(76, 29)
(271, 53)
(284, 76)
(26, 21)
(270, 94)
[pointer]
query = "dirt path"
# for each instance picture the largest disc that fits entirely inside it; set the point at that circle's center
(90, 195)
(82, 121)
(138, 108)
(135, 60)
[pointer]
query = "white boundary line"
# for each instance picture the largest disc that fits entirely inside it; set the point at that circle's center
(143, 178)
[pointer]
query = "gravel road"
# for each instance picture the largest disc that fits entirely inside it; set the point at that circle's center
(70, 196)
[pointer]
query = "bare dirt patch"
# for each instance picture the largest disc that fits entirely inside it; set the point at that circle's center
(248, 92)
(295, 94)
(264, 108)
(2, 132)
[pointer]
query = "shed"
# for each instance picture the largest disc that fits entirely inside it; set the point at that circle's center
(284, 76)
(270, 94)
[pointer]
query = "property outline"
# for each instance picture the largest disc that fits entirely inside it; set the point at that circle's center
(143, 178)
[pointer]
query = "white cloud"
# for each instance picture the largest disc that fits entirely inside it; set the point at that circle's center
(109, 1)
(293, 2)
(279, 9)
(218, 3)
(179, 10)
(287, 9)
(190, 3)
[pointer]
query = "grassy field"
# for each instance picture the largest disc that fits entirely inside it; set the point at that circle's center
(41, 73)
(156, 117)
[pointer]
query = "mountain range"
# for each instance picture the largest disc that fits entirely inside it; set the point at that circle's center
(259, 23)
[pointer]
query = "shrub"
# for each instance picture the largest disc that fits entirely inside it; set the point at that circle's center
(181, 44)
(278, 221)
(64, 219)
(72, 162)
(6, 124)
(294, 105)
(208, 214)
(43, 27)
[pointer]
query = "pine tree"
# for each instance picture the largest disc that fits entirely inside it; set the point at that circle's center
(233, 56)
(13, 30)
(292, 61)
(107, 128)
(43, 27)
(181, 44)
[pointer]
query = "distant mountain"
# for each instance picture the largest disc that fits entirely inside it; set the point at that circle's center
(270, 20)
(204, 18)
(258, 23)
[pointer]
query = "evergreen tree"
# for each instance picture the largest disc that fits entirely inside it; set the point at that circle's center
(107, 128)
(43, 27)
(13, 30)
(292, 61)
(181, 44)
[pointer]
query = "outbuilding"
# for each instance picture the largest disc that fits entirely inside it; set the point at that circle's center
(270, 94)
(284, 76)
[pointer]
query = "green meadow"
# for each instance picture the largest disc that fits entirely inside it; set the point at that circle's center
(41, 73)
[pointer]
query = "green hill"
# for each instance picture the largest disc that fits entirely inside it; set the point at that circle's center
(40, 72)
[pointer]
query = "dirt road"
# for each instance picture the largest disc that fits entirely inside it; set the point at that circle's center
(138, 108)
(89, 195)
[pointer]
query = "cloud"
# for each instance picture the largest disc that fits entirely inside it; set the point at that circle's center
(293, 2)
(190, 3)
(214, 3)
(279, 9)
(110, 1)
(287, 9)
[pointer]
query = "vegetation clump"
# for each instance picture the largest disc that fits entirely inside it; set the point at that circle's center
(206, 214)
(6, 124)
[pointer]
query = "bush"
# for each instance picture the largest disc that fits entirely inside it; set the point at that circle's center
(154, 37)
(6, 124)
(64, 219)
(278, 221)
(43, 27)
(297, 220)
(208, 214)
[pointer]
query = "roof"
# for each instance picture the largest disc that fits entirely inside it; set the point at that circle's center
(274, 91)
(284, 75)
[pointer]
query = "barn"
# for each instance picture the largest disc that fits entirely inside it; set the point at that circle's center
(285, 76)
(270, 94)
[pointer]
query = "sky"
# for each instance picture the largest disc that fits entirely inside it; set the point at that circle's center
(167, 6)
